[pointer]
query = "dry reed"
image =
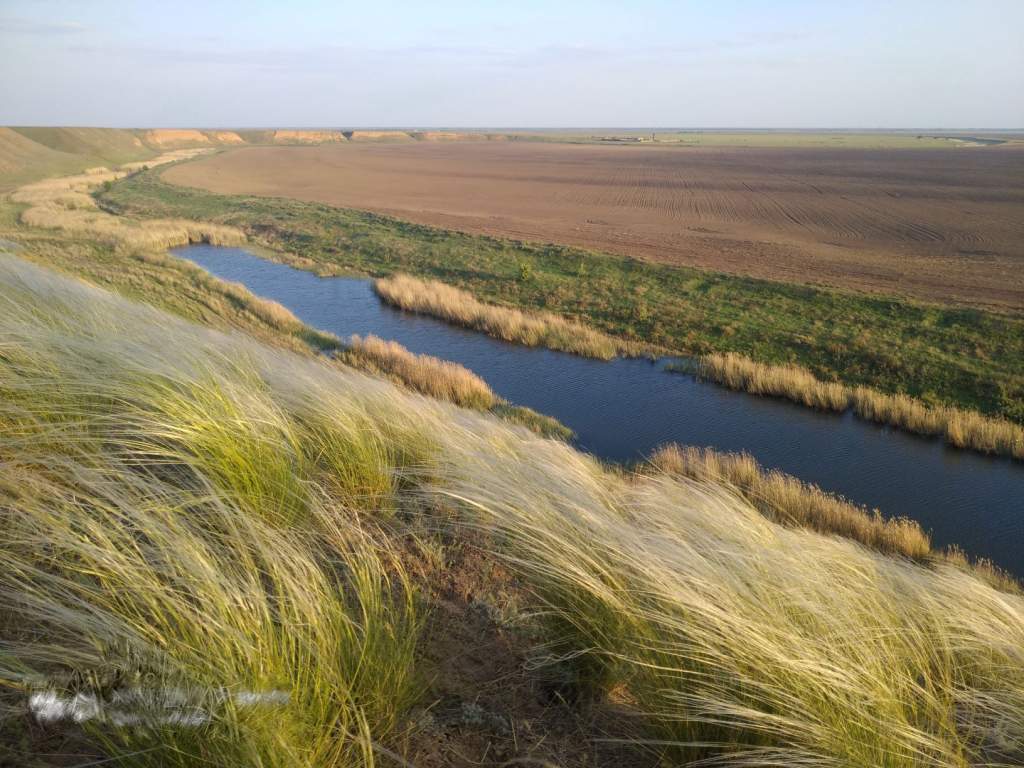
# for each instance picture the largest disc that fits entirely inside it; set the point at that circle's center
(789, 381)
(423, 373)
(959, 427)
(962, 428)
(431, 297)
(64, 203)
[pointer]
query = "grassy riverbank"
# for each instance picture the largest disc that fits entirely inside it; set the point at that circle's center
(199, 524)
(943, 356)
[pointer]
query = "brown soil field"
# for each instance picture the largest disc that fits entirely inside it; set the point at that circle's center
(936, 224)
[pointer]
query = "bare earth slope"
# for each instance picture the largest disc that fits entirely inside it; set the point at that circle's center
(944, 224)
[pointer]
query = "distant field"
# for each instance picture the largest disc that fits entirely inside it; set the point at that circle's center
(937, 224)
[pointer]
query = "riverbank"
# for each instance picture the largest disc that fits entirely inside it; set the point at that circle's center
(963, 358)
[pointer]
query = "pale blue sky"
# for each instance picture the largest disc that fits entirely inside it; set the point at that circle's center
(788, 63)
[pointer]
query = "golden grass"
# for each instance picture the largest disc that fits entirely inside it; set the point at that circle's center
(533, 329)
(962, 428)
(789, 381)
(423, 373)
(194, 509)
(787, 500)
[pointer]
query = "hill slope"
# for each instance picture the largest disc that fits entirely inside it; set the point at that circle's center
(238, 547)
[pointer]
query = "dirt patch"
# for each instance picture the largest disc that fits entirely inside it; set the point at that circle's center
(894, 221)
(488, 702)
(225, 137)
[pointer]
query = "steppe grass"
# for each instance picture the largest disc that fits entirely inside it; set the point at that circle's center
(748, 644)
(148, 549)
(184, 561)
(967, 358)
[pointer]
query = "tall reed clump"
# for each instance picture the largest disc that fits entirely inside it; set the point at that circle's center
(533, 329)
(191, 549)
(789, 501)
(964, 429)
(959, 427)
(789, 381)
(65, 204)
(429, 375)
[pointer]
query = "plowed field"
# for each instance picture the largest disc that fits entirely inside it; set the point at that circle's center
(942, 224)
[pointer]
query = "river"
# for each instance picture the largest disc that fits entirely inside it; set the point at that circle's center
(623, 409)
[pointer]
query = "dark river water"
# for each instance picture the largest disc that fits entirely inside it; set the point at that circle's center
(623, 409)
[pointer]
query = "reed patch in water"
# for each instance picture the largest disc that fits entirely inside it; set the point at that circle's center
(957, 426)
(789, 381)
(429, 375)
(532, 329)
(962, 428)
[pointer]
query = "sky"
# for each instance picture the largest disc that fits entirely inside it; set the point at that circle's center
(643, 63)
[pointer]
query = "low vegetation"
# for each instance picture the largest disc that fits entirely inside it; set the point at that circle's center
(140, 267)
(209, 551)
(966, 358)
(959, 427)
(533, 329)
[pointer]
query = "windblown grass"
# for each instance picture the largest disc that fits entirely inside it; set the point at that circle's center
(790, 501)
(430, 375)
(190, 510)
(746, 643)
(962, 428)
(533, 329)
(177, 545)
